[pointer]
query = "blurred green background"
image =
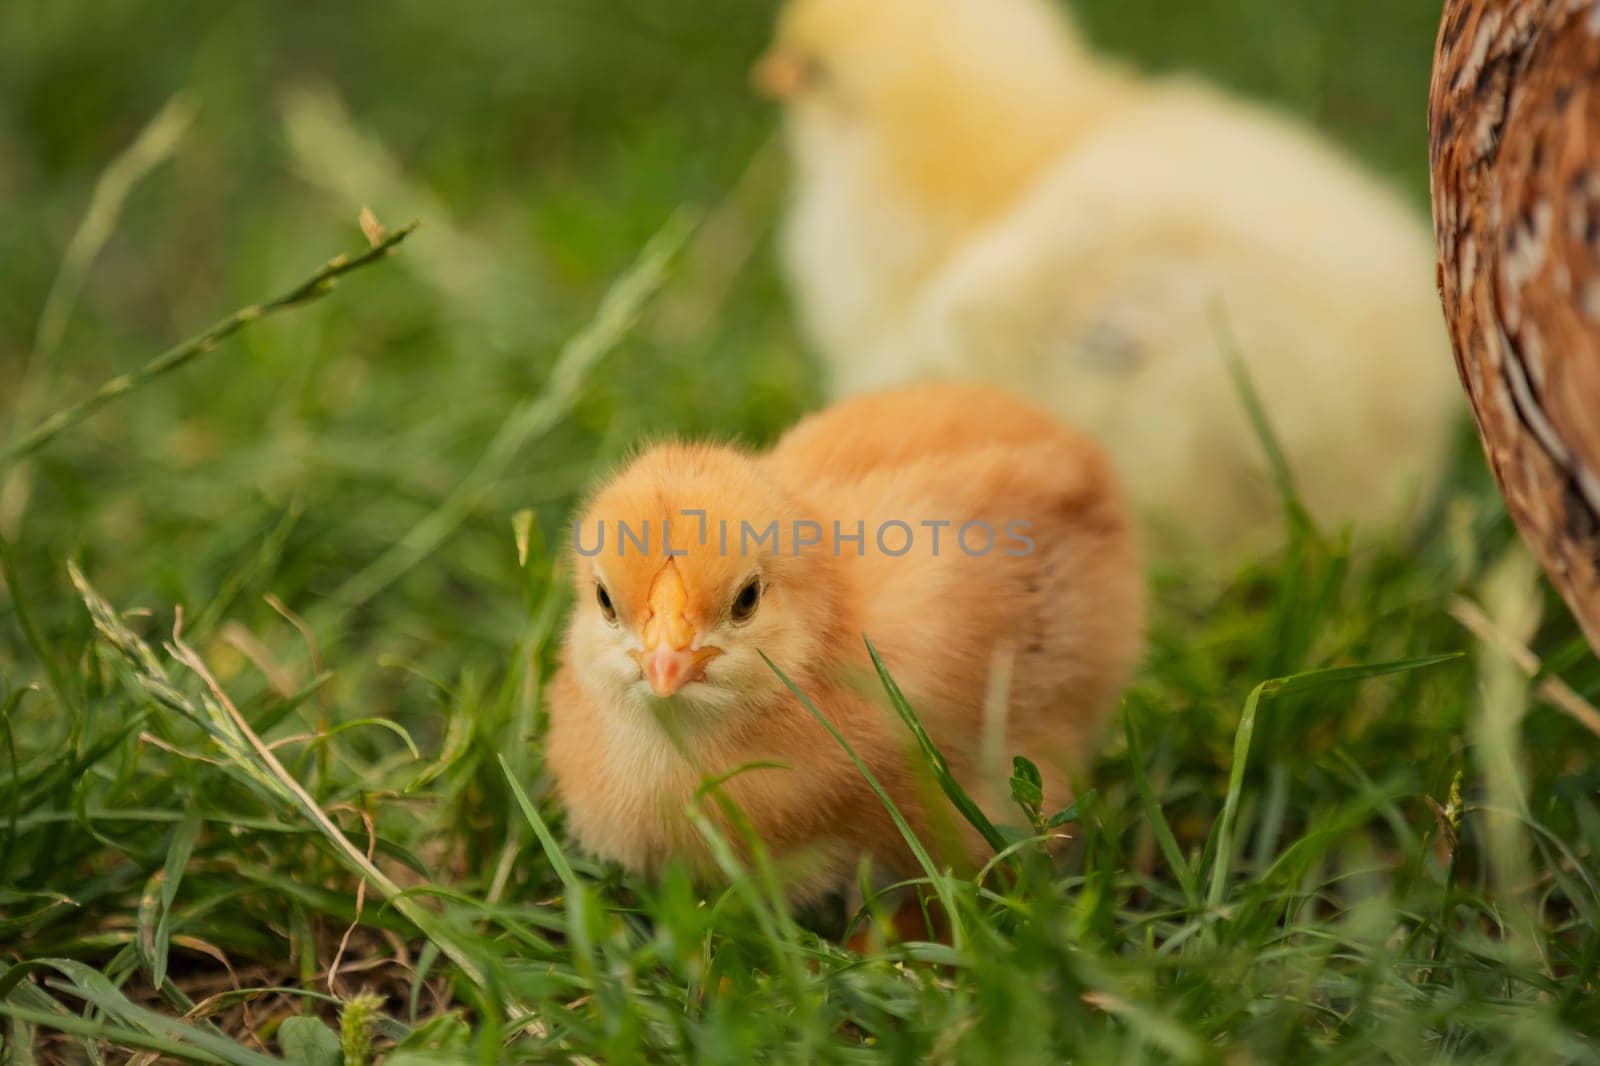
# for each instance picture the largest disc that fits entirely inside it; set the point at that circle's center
(542, 143)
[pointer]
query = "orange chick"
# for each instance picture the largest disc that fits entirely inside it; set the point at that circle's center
(966, 533)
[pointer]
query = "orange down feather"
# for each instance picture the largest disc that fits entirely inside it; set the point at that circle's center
(663, 685)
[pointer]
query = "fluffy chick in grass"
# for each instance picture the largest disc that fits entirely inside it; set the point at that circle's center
(978, 196)
(663, 685)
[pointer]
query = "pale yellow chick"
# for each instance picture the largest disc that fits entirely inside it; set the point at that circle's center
(964, 532)
(979, 197)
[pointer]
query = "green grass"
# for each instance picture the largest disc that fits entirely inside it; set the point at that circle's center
(1329, 825)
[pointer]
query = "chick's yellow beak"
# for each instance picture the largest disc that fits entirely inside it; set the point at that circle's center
(780, 74)
(669, 661)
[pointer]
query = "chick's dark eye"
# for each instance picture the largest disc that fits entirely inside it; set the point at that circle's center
(749, 598)
(602, 597)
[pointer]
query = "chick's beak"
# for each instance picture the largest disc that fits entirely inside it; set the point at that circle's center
(669, 661)
(780, 74)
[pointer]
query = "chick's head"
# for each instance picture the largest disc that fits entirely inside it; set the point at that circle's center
(964, 99)
(687, 571)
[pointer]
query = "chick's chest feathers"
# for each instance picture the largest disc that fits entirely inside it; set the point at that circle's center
(629, 782)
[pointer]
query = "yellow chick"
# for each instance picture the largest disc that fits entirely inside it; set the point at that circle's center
(967, 534)
(977, 196)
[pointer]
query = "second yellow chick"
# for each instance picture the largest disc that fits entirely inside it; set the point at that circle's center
(980, 197)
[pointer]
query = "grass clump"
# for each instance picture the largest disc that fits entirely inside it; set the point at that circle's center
(1353, 858)
(274, 627)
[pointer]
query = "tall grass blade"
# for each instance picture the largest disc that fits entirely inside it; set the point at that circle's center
(1311, 681)
(577, 893)
(155, 911)
(936, 761)
(154, 145)
(318, 285)
(248, 754)
(150, 1028)
(53, 672)
(1165, 840)
(619, 310)
(939, 882)
(1300, 521)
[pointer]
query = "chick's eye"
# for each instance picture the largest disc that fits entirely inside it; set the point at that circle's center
(745, 604)
(603, 598)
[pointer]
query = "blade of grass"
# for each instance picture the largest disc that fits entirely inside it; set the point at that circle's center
(770, 909)
(90, 985)
(618, 312)
(936, 761)
(1551, 688)
(353, 856)
(1230, 806)
(936, 879)
(552, 848)
(318, 285)
(1300, 521)
(30, 632)
(155, 910)
(1153, 814)
(153, 146)
(1512, 598)
(1333, 677)
(84, 1029)
(247, 752)
(1310, 681)
(11, 701)
(576, 891)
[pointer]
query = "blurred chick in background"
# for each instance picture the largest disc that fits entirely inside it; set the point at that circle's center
(663, 686)
(979, 197)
